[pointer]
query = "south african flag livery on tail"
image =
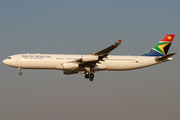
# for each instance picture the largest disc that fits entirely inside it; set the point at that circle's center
(162, 47)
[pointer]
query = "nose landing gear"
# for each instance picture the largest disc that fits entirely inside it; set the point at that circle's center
(20, 73)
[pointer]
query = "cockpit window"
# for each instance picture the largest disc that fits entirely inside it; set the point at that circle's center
(9, 57)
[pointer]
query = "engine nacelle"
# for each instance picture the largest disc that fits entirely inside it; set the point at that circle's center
(70, 72)
(88, 58)
(70, 66)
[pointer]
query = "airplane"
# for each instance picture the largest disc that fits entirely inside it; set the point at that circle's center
(88, 64)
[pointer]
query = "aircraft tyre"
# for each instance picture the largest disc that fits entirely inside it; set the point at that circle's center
(87, 76)
(20, 73)
(91, 77)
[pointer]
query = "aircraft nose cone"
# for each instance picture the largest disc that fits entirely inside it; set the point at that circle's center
(4, 61)
(8, 62)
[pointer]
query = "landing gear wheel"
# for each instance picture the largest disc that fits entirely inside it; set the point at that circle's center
(91, 78)
(92, 75)
(20, 73)
(87, 76)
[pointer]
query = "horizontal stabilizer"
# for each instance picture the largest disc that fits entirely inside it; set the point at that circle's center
(164, 57)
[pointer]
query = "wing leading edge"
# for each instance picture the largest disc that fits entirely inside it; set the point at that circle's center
(107, 50)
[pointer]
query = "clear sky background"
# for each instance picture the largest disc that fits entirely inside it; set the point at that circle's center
(82, 27)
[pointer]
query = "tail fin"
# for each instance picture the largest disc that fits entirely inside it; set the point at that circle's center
(162, 47)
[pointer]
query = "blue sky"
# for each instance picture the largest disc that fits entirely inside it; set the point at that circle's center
(82, 26)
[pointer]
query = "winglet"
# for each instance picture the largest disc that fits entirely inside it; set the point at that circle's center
(118, 42)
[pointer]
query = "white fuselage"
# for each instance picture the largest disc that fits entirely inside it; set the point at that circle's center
(55, 61)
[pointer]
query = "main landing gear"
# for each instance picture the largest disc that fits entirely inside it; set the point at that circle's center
(90, 76)
(88, 73)
(20, 73)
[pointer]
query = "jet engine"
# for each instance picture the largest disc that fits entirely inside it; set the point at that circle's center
(88, 58)
(70, 66)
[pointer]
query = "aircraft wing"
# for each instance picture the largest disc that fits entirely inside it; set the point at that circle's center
(99, 55)
(107, 50)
